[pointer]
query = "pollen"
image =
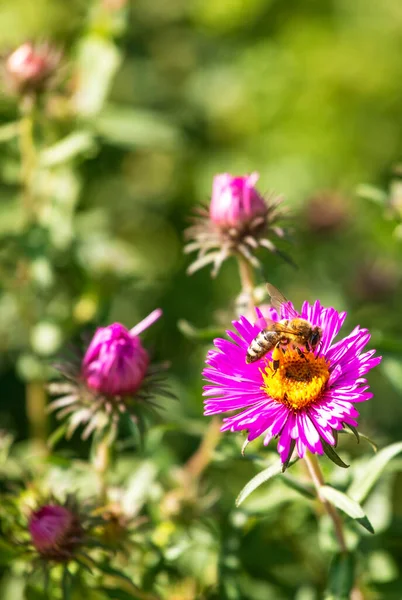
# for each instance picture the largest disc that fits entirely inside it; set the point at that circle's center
(299, 381)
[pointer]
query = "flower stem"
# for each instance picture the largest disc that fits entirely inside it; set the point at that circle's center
(198, 462)
(36, 410)
(317, 478)
(247, 283)
(28, 156)
(102, 455)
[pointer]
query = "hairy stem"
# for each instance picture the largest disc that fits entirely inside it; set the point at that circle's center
(317, 478)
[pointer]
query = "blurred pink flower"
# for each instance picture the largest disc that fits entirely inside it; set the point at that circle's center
(55, 531)
(30, 66)
(238, 222)
(235, 200)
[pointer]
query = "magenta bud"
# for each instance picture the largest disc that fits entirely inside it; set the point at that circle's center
(115, 362)
(235, 200)
(55, 531)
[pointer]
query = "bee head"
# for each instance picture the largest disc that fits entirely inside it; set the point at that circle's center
(315, 337)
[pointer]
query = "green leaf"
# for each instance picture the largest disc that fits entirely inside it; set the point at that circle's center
(9, 131)
(258, 480)
(347, 505)
(57, 435)
(79, 142)
(96, 64)
(332, 455)
(368, 476)
(132, 128)
(304, 489)
(369, 192)
(341, 576)
(193, 333)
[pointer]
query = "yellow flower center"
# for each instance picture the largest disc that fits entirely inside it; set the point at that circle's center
(299, 381)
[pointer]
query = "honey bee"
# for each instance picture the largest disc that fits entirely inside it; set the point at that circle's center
(279, 334)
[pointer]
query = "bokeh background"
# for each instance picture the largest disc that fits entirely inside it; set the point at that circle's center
(153, 99)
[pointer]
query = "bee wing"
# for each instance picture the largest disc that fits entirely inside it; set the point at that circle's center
(266, 323)
(277, 299)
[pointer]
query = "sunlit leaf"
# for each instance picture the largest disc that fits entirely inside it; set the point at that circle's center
(347, 505)
(369, 192)
(96, 64)
(369, 475)
(78, 142)
(258, 480)
(132, 128)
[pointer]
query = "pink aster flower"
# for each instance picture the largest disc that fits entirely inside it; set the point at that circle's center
(114, 378)
(307, 399)
(55, 531)
(238, 221)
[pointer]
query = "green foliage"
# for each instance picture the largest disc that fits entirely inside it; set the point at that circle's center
(97, 181)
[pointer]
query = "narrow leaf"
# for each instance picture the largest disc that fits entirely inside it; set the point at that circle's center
(354, 431)
(367, 478)
(347, 505)
(304, 489)
(332, 455)
(259, 479)
(56, 436)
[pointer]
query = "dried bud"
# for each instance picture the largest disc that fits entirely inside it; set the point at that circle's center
(29, 68)
(239, 221)
(115, 362)
(235, 201)
(55, 532)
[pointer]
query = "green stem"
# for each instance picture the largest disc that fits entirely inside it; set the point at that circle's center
(317, 478)
(102, 453)
(247, 281)
(36, 410)
(28, 158)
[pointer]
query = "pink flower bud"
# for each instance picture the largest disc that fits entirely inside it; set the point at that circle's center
(115, 362)
(29, 67)
(235, 201)
(54, 530)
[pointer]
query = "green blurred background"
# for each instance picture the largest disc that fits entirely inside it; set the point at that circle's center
(160, 95)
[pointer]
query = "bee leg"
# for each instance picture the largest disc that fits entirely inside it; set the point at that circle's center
(277, 354)
(301, 353)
